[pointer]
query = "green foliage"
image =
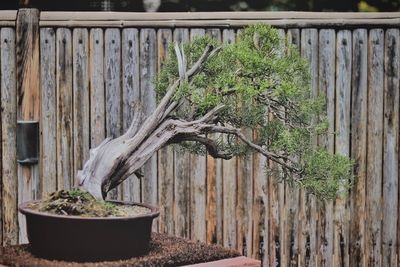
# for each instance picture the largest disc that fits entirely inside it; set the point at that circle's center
(264, 85)
(326, 175)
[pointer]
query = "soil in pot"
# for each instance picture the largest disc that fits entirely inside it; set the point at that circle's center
(79, 203)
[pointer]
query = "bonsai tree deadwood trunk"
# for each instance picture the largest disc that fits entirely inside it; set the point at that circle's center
(260, 83)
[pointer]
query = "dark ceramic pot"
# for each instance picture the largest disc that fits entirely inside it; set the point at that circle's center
(82, 239)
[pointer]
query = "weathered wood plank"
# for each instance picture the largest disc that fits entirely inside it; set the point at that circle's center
(148, 70)
(28, 87)
(182, 172)
(308, 212)
(358, 147)
(214, 181)
(373, 228)
(390, 147)
(48, 109)
(326, 78)
(239, 23)
(81, 98)
(198, 179)
(112, 52)
(229, 168)
(8, 138)
(293, 36)
(244, 205)
(342, 141)
(64, 108)
(244, 202)
(130, 98)
(282, 198)
(165, 155)
(1, 164)
(201, 16)
(96, 87)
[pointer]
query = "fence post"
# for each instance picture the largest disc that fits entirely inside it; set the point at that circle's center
(28, 90)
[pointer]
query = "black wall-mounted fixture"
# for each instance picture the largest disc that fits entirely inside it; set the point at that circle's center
(27, 142)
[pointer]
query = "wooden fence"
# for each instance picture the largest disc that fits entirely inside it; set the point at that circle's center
(80, 73)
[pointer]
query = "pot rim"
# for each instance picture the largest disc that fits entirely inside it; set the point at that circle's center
(154, 212)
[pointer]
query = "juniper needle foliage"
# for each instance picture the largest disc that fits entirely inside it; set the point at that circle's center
(263, 84)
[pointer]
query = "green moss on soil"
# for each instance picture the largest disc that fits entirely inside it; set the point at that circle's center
(79, 203)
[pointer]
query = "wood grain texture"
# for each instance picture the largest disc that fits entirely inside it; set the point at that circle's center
(148, 70)
(28, 87)
(96, 87)
(326, 86)
(113, 92)
(198, 179)
(308, 212)
(245, 202)
(165, 155)
(130, 98)
(204, 16)
(373, 227)
(220, 23)
(229, 169)
(8, 138)
(293, 194)
(182, 172)
(359, 147)
(48, 122)
(214, 180)
(390, 147)
(81, 98)
(64, 108)
(342, 141)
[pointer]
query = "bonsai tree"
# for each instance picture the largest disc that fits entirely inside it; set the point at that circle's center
(208, 94)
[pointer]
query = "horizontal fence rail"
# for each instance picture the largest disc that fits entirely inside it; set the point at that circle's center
(91, 73)
(219, 19)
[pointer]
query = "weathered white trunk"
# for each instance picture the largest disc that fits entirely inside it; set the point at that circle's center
(115, 160)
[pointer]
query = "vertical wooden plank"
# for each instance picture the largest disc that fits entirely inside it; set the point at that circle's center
(148, 70)
(260, 210)
(182, 172)
(130, 98)
(342, 140)
(390, 147)
(28, 77)
(282, 199)
(229, 189)
(293, 36)
(327, 46)
(96, 87)
(165, 155)
(308, 213)
(64, 109)
(48, 117)
(198, 182)
(358, 147)
(112, 48)
(8, 138)
(2, 204)
(81, 98)
(244, 202)
(214, 182)
(374, 140)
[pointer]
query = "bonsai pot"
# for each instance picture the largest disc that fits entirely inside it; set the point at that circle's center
(75, 238)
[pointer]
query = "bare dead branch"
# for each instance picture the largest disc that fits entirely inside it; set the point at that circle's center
(282, 160)
(211, 145)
